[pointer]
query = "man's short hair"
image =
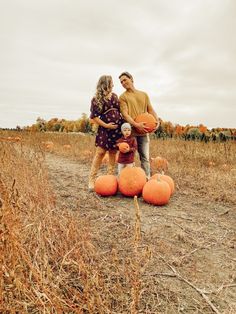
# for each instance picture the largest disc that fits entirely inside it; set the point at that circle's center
(127, 74)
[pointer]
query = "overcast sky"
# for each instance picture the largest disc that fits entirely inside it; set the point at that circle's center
(181, 52)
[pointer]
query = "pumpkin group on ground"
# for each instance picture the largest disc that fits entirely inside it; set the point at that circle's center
(106, 185)
(148, 119)
(156, 192)
(124, 147)
(131, 181)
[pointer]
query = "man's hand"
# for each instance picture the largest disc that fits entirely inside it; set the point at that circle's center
(157, 125)
(142, 128)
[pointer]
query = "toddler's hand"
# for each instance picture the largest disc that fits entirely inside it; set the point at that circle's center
(126, 150)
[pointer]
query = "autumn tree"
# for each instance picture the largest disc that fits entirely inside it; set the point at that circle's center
(178, 130)
(202, 128)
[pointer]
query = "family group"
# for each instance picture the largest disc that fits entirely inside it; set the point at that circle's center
(115, 117)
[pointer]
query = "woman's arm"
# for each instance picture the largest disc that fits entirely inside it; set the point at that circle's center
(110, 125)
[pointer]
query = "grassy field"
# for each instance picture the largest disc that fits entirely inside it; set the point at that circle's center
(98, 256)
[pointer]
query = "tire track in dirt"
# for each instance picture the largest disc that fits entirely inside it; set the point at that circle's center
(110, 218)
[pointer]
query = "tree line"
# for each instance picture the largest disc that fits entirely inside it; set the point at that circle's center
(165, 130)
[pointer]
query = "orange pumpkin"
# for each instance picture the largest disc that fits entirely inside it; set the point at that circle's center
(159, 164)
(106, 185)
(165, 178)
(67, 146)
(131, 181)
(150, 121)
(123, 147)
(48, 145)
(156, 192)
(17, 139)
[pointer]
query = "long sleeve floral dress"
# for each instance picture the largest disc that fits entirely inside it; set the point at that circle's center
(110, 112)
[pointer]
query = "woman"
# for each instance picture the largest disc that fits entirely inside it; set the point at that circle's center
(105, 111)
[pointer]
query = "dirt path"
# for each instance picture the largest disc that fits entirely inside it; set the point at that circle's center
(193, 241)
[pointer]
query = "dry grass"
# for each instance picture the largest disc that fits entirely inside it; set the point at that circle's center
(204, 170)
(48, 261)
(50, 258)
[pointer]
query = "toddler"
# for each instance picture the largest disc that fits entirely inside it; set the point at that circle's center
(126, 154)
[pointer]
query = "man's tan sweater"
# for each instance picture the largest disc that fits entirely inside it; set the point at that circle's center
(134, 102)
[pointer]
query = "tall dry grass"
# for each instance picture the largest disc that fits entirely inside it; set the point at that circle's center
(50, 262)
(204, 170)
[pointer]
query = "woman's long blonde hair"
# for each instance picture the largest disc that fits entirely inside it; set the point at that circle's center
(104, 90)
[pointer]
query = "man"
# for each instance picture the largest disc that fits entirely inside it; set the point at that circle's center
(132, 103)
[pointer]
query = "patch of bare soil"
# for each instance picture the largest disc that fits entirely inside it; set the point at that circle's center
(192, 241)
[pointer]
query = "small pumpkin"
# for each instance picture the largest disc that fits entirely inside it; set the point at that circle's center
(106, 185)
(150, 121)
(131, 181)
(48, 145)
(67, 146)
(165, 178)
(156, 192)
(123, 147)
(159, 164)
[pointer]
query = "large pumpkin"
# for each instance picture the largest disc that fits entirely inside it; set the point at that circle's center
(150, 121)
(156, 192)
(106, 185)
(165, 178)
(123, 147)
(131, 181)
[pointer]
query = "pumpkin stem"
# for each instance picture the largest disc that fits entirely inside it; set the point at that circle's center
(159, 177)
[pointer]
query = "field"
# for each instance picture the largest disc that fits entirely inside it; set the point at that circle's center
(67, 250)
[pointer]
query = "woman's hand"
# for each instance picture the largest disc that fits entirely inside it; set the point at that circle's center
(111, 125)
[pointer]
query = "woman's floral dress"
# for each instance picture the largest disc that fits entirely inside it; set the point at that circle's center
(110, 112)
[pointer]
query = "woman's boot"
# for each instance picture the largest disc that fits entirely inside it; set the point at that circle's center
(97, 161)
(112, 162)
